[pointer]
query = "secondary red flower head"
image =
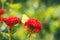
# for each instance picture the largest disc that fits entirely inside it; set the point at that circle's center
(33, 25)
(10, 21)
(1, 20)
(2, 11)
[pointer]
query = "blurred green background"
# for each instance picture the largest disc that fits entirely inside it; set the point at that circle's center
(47, 11)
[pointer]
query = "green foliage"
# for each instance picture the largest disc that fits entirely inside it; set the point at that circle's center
(47, 11)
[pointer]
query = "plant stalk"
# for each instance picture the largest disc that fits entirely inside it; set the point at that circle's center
(9, 32)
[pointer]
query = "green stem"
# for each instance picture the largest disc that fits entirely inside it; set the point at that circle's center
(29, 36)
(2, 4)
(9, 33)
(11, 1)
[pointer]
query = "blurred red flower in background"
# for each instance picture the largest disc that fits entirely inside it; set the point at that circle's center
(10, 21)
(2, 11)
(33, 25)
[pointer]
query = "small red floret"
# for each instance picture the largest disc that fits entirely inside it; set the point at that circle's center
(1, 20)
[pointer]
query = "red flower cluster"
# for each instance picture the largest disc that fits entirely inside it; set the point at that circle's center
(10, 21)
(1, 20)
(33, 25)
(2, 11)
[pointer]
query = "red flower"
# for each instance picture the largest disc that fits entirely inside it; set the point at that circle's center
(1, 20)
(2, 11)
(33, 25)
(10, 21)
